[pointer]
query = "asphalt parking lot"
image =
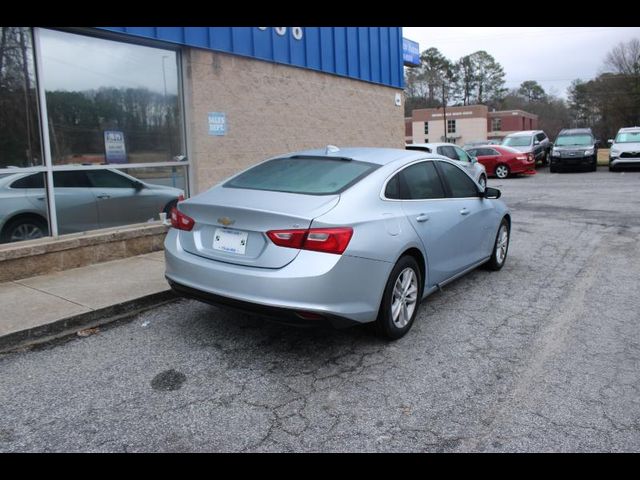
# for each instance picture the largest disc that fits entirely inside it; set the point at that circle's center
(541, 356)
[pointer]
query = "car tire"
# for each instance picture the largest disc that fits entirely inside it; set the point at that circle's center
(612, 169)
(396, 316)
(594, 166)
(502, 171)
(500, 247)
(24, 228)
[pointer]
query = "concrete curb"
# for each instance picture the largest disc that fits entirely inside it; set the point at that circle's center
(70, 325)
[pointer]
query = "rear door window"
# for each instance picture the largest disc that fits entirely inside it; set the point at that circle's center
(70, 179)
(32, 181)
(307, 175)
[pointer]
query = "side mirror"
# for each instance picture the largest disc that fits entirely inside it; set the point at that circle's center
(138, 185)
(536, 142)
(490, 192)
(610, 141)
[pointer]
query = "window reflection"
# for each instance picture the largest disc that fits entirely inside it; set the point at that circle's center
(23, 206)
(110, 102)
(90, 199)
(19, 130)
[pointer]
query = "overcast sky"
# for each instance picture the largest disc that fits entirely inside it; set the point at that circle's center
(553, 56)
(75, 62)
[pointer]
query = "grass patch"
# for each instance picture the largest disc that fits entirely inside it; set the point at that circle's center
(603, 157)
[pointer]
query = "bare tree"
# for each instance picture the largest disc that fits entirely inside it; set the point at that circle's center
(624, 58)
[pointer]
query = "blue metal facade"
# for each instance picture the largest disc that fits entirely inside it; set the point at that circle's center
(373, 54)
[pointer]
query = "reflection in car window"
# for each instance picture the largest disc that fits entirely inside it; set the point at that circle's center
(462, 155)
(421, 181)
(519, 141)
(306, 175)
(460, 184)
(566, 140)
(628, 137)
(70, 179)
(107, 179)
(393, 188)
(448, 151)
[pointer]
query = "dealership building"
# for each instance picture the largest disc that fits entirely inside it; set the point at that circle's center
(94, 122)
(465, 124)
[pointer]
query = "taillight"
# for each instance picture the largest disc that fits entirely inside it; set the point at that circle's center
(181, 221)
(328, 240)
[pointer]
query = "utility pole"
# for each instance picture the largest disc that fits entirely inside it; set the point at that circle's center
(444, 111)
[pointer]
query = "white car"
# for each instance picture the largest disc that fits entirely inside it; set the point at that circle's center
(477, 171)
(625, 149)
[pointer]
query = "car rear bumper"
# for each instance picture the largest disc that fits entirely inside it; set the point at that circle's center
(338, 287)
(523, 167)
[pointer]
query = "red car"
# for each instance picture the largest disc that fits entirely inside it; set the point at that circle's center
(503, 161)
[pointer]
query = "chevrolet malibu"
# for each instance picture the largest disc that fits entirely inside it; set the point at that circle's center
(349, 236)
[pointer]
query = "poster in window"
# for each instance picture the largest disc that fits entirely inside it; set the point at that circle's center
(114, 147)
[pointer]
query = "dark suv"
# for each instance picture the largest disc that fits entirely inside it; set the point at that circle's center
(575, 148)
(534, 142)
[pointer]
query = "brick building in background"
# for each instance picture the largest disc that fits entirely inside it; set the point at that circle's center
(465, 124)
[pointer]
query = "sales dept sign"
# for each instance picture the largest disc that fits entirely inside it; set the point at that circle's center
(114, 147)
(217, 123)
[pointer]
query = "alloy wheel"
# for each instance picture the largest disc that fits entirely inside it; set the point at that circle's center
(26, 231)
(502, 244)
(405, 297)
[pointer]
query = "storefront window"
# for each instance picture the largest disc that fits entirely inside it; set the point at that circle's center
(110, 102)
(19, 131)
(109, 105)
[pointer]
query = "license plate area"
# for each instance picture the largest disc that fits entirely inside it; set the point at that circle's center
(230, 241)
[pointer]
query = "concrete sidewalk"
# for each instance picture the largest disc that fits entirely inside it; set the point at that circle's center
(41, 308)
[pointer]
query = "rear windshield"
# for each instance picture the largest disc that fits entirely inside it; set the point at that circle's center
(519, 141)
(313, 176)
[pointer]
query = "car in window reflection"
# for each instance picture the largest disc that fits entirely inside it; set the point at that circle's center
(86, 199)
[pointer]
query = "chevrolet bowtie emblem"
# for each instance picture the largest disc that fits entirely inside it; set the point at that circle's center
(226, 221)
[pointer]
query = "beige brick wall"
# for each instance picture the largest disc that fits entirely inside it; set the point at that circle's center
(273, 109)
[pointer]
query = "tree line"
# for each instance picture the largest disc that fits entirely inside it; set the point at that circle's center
(606, 103)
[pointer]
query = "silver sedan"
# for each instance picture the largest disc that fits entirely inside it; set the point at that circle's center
(350, 236)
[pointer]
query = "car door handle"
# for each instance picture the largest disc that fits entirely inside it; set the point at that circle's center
(422, 218)
(464, 211)
(103, 196)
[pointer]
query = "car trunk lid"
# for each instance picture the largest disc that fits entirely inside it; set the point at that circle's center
(231, 224)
